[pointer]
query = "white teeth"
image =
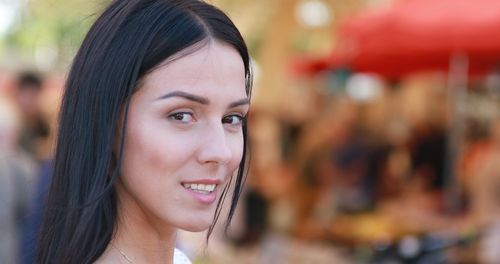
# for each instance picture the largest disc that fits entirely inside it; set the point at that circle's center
(201, 188)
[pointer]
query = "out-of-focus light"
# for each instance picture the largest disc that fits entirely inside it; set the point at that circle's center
(493, 83)
(8, 10)
(409, 247)
(379, 3)
(45, 56)
(363, 87)
(313, 13)
(256, 72)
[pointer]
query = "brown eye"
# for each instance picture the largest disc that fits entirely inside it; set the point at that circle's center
(232, 120)
(182, 117)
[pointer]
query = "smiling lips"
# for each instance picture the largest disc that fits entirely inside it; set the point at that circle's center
(201, 188)
(204, 191)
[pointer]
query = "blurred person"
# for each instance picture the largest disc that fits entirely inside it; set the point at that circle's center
(429, 154)
(254, 201)
(17, 171)
(405, 191)
(332, 176)
(481, 169)
(152, 134)
(317, 204)
(482, 177)
(33, 220)
(395, 158)
(34, 216)
(34, 127)
(255, 217)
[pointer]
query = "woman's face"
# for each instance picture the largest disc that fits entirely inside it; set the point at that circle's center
(184, 138)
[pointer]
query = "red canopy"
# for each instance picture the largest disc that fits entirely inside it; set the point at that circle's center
(416, 35)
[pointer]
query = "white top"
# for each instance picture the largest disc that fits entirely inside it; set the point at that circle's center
(180, 257)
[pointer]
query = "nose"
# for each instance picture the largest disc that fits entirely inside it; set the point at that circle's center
(214, 147)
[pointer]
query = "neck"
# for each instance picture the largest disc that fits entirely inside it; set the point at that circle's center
(136, 247)
(140, 237)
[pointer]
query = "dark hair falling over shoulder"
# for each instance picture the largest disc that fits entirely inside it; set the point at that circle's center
(127, 41)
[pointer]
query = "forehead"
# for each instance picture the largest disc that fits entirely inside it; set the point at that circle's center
(215, 68)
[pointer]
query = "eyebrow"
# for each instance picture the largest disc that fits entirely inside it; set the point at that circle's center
(200, 99)
(244, 101)
(188, 96)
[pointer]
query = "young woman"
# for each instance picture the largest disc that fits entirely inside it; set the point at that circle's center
(152, 133)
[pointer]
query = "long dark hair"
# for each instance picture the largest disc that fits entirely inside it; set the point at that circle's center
(126, 42)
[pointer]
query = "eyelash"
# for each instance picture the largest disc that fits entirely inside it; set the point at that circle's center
(225, 119)
(179, 116)
(240, 119)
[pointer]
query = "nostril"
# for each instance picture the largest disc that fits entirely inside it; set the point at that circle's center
(215, 147)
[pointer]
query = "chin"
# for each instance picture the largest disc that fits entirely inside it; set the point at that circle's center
(196, 226)
(195, 229)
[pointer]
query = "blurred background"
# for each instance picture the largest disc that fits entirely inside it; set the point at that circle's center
(375, 129)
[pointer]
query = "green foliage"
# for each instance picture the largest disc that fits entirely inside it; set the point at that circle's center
(51, 26)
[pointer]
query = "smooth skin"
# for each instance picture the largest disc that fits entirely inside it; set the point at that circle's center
(184, 126)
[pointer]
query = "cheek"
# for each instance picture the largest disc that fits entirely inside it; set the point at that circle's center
(140, 161)
(155, 153)
(152, 167)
